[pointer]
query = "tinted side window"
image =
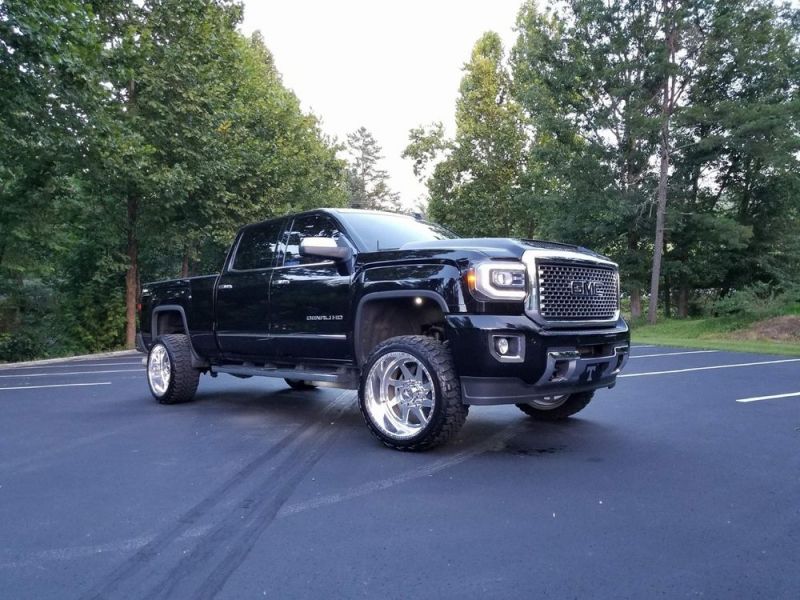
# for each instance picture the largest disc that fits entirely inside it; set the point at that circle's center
(257, 247)
(308, 226)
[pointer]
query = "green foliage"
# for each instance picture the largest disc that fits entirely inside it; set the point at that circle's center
(734, 217)
(564, 141)
(138, 136)
(367, 185)
(20, 346)
(758, 301)
(585, 78)
(484, 160)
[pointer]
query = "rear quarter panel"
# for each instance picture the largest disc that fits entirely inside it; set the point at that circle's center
(195, 296)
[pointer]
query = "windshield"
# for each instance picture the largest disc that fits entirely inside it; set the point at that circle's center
(383, 231)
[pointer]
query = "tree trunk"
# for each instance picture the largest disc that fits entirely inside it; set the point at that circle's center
(636, 303)
(185, 264)
(683, 301)
(132, 275)
(658, 244)
(663, 177)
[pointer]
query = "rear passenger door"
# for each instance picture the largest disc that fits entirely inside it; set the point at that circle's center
(242, 295)
(310, 296)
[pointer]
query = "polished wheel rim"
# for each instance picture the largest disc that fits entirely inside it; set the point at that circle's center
(549, 402)
(159, 370)
(399, 395)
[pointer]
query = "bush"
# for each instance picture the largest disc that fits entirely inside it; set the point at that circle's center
(19, 346)
(759, 300)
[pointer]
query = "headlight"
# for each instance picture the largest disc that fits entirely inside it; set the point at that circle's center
(495, 280)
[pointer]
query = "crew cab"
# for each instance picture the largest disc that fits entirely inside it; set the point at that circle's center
(423, 323)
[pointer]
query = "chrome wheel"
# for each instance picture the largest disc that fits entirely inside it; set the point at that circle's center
(159, 370)
(399, 395)
(549, 402)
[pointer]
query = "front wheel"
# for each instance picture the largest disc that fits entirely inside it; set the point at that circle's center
(170, 374)
(556, 408)
(410, 395)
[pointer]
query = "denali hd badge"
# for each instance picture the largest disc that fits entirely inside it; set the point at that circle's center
(585, 288)
(325, 318)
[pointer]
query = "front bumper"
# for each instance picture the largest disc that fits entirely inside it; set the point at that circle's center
(552, 362)
(567, 373)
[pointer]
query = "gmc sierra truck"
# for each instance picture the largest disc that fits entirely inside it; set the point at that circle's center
(423, 323)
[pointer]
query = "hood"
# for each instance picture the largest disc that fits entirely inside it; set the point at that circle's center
(497, 247)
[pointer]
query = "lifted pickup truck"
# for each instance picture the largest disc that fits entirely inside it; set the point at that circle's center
(423, 323)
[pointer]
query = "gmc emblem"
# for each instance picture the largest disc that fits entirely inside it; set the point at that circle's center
(585, 288)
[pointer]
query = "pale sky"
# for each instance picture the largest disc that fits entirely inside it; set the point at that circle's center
(388, 66)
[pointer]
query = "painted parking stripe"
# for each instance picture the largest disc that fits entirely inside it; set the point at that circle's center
(72, 366)
(26, 375)
(752, 364)
(775, 397)
(55, 385)
(674, 353)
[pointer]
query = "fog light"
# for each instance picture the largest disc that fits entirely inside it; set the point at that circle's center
(502, 345)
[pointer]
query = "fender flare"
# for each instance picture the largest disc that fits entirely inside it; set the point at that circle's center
(197, 361)
(171, 308)
(389, 295)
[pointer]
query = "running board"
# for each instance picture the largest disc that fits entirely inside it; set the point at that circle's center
(348, 379)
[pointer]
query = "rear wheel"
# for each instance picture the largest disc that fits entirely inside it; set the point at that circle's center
(410, 395)
(300, 384)
(556, 408)
(170, 374)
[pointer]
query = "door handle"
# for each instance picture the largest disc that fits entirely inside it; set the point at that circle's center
(281, 282)
(225, 286)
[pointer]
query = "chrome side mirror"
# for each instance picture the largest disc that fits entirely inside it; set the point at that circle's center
(324, 247)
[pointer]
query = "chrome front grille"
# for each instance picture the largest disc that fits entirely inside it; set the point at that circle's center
(576, 292)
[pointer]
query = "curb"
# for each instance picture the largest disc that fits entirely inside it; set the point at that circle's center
(47, 361)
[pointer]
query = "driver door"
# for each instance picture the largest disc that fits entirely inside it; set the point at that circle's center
(310, 296)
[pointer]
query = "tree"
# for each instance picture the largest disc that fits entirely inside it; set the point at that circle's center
(166, 64)
(584, 79)
(137, 137)
(475, 182)
(740, 112)
(683, 26)
(367, 185)
(632, 103)
(46, 84)
(49, 80)
(741, 136)
(201, 136)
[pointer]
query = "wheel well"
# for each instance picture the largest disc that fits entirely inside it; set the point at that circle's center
(384, 318)
(168, 321)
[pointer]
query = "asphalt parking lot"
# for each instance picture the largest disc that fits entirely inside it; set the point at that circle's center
(682, 482)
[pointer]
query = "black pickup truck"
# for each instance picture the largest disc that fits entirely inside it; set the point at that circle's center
(423, 323)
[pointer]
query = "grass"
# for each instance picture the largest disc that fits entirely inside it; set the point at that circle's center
(714, 333)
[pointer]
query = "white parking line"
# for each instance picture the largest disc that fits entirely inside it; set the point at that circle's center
(72, 366)
(752, 364)
(55, 385)
(25, 375)
(776, 396)
(674, 353)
